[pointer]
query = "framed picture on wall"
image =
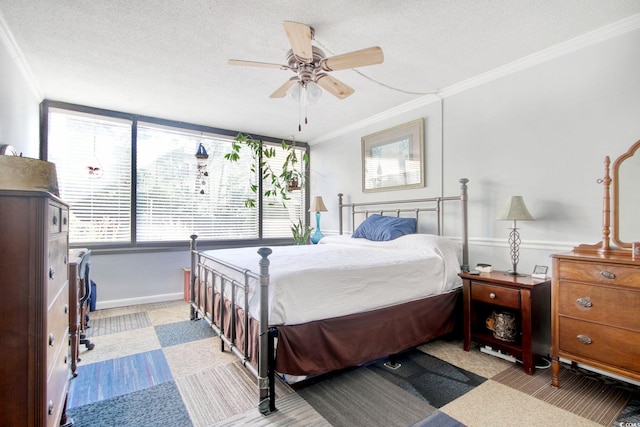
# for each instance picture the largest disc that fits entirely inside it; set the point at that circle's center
(393, 159)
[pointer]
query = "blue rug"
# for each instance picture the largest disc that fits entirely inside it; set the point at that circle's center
(160, 405)
(117, 377)
(183, 332)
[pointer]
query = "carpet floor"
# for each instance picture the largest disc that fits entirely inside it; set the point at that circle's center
(151, 366)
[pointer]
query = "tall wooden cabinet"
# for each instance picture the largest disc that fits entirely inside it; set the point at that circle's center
(34, 305)
(596, 312)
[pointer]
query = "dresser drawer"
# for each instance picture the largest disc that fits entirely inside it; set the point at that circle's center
(56, 337)
(609, 345)
(57, 268)
(56, 389)
(592, 272)
(497, 295)
(615, 307)
(64, 219)
(54, 218)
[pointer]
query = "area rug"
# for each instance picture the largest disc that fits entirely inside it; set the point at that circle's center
(159, 405)
(429, 378)
(116, 377)
(599, 401)
(182, 332)
(110, 325)
(360, 397)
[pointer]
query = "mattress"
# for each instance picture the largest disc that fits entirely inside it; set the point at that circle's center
(343, 275)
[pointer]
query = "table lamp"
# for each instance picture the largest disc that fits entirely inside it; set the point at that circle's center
(515, 210)
(317, 206)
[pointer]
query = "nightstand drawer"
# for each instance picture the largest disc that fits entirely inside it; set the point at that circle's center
(612, 346)
(592, 272)
(601, 304)
(496, 295)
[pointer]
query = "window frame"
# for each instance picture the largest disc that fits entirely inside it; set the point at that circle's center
(134, 245)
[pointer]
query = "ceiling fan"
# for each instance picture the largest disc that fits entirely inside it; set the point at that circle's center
(311, 65)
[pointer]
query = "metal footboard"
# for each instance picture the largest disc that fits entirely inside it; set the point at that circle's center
(207, 271)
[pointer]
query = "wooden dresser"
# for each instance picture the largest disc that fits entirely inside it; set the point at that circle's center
(34, 301)
(596, 312)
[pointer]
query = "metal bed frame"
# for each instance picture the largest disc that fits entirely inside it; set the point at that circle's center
(202, 266)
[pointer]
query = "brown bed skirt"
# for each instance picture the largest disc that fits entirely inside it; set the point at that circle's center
(327, 345)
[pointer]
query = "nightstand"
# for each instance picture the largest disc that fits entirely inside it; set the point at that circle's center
(526, 299)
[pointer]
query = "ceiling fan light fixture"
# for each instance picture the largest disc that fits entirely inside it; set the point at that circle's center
(293, 93)
(313, 92)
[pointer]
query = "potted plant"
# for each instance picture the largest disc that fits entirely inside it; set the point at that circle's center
(275, 187)
(301, 233)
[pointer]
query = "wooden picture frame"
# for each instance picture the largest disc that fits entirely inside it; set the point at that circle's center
(393, 159)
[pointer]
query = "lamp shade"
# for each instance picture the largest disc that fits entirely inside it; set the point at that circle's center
(317, 205)
(515, 210)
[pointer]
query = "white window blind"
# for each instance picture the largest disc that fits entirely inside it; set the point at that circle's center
(94, 156)
(278, 217)
(170, 205)
(93, 164)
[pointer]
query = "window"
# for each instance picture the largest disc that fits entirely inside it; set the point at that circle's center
(132, 181)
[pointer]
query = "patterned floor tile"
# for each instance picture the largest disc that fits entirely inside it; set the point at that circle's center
(119, 344)
(182, 332)
(171, 314)
(196, 356)
(116, 377)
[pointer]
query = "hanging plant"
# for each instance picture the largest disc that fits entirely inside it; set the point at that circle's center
(275, 186)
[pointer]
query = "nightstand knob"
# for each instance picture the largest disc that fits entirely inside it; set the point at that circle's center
(584, 339)
(492, 295)
(607, 275)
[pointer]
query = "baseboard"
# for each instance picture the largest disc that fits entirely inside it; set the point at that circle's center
(101, 305)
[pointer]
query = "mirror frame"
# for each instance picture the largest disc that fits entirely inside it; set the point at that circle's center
(616, 196)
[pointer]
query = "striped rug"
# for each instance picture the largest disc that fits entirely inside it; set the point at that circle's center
(111, 325)
(582, 395)
(117, 377)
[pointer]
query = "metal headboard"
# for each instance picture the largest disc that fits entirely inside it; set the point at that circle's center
(368, 208)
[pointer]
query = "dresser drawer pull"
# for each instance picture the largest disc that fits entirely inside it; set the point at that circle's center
(607, 275)
(51, 340)
(66, 309)
(50, 408)
(584, 302)
(51, 273)
(584, 339)
(492, 295)
(54, 220)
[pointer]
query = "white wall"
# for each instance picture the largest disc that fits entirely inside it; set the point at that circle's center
(19, 110)
(541, 133)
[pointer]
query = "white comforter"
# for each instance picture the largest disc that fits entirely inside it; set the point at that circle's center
(342, 275)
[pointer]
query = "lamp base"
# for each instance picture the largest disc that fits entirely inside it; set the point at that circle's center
(514, 273)
(315, 237)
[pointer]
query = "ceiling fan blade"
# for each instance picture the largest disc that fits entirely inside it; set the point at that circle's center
(281, 92)
(299, 36)
(334, 86)
(256, 64)
(355, 59)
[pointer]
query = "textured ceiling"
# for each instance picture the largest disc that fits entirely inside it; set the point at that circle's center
(168, 59)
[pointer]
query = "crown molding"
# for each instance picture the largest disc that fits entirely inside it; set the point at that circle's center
(605, 33)
(18, 58)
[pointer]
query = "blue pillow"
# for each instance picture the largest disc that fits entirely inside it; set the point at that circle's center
(382, 228)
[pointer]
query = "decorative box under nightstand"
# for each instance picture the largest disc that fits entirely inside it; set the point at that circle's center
(506, 299)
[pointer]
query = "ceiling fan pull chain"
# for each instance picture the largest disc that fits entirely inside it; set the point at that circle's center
(300, 112)
(306, 104)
